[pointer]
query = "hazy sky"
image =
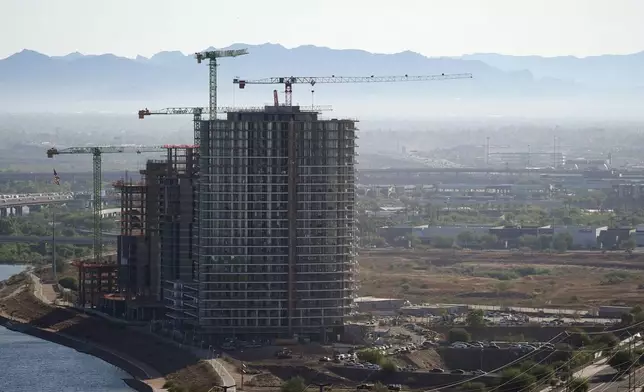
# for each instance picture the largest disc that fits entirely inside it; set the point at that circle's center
(430, 27)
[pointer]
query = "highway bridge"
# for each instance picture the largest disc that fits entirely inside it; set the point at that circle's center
(495, 170)
(112, 175)
(26, 200)
(13, 204)
(59, 240)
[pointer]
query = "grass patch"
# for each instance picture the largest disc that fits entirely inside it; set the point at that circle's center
(615, 277)
(504, 274)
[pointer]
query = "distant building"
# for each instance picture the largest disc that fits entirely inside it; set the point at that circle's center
(371, 304)
(583, 237)
(429, 232)
(511, 235)
(612, 311)
(613, 237)
(391, 233)
(639, 235)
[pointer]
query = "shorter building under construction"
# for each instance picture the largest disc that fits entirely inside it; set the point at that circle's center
(157, 229)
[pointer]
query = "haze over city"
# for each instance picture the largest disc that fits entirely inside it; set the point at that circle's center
(321, 196)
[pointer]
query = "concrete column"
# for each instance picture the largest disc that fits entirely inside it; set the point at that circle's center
(18, 211)
(3, 212)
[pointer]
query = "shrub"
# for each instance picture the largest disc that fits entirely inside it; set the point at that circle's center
(69, 283)
(458, 335)
(295, 384)
(373, 356)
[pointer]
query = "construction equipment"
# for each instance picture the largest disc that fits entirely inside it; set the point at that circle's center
(288, 82)
(213, 55)
(96, 153)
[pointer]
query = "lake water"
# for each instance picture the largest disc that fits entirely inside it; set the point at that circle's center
(28, 364)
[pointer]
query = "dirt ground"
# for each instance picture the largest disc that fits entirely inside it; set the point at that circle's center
(576, 279)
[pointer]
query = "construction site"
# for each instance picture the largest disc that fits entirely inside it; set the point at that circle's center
(249, 232)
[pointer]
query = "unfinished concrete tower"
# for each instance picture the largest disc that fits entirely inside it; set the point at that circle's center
(276, 249)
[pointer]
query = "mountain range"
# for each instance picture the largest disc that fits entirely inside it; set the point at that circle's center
(31, 81)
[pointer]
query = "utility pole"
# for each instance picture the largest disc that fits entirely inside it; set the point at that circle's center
(632, 382)
(53, 243)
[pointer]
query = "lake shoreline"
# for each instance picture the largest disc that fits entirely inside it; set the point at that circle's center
(89, 348)
(138, 371)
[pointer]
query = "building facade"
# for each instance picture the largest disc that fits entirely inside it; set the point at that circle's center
(276, 243)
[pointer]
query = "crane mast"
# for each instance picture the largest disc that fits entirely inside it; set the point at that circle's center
(212, 56)
(97, 179)
(289, 81)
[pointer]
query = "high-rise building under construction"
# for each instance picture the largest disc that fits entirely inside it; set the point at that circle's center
(275, 244)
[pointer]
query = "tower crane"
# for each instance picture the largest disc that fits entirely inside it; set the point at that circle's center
(96, 153)
(289, 81)
(212, 56)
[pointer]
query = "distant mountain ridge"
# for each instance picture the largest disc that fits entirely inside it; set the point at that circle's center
(621, 71)
(31, 80)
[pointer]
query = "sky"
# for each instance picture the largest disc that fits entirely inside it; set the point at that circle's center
(430, 27)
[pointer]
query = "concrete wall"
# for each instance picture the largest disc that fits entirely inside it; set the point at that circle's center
(411, 379)
(490, 359)
(523, 333)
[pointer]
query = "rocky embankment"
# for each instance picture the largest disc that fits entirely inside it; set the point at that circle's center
(155, 359)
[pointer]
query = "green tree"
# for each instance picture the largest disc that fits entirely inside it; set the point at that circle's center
(561, 242)
(466, 238)
(373, 356)
(622, 361)
(458, 335)
(69, 283)
(607, 339)
(629, 244)
(577, 338)
(442, 242)
(514, 380)
(542, 373)
(530, 241)
(489, 241)
(545, 241)
(387, 366)
(295, 384)
(473, 387)
(577, 384)
(475, 318)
